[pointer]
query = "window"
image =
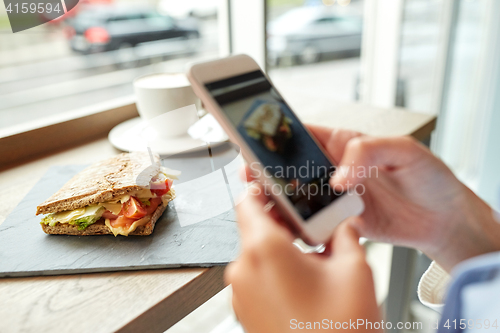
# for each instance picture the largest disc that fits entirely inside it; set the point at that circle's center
(448, 66)
(92, 54)
(315, 41)
(326, 20)
(159, 21)
(421, 33)
(125, 18)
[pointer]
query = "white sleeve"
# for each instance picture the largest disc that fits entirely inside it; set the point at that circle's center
(432, 287)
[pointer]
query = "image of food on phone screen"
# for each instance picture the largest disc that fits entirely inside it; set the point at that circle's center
(278, 139)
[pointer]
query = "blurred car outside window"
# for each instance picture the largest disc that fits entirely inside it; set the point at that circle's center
(92, 53)
(317, 42)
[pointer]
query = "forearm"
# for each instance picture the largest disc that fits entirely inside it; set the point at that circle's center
(474, 232)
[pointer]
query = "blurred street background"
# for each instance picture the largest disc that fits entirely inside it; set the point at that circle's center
(82, 58)
(41, 73)
(63, 65)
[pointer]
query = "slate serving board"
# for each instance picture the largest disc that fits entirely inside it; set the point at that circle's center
(25, 250)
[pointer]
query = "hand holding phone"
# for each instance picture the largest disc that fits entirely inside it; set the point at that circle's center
(293, 169)
(271, 274)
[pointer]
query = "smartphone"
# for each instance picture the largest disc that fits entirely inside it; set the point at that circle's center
(292, 167)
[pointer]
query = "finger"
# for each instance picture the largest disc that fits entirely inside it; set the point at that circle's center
(255, 223)
(231, 272)
(333, 140)
(255, 206)
(346, 241)
(246, 174)
(256, 189)
(366, 156)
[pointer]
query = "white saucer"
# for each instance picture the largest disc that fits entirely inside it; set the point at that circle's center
(136, 135)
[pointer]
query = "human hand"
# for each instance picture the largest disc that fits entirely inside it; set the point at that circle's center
(277, 288)
(411, 197)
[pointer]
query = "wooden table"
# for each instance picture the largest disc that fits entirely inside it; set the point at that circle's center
(148, 301)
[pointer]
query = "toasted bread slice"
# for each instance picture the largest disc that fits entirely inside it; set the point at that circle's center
(103, 181)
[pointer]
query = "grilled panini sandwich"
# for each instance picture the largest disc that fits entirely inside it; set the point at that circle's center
(123, 195)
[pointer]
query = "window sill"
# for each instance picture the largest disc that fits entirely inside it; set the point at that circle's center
(29, 141)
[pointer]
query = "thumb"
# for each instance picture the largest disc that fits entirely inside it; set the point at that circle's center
(346, 241)
(255, 221)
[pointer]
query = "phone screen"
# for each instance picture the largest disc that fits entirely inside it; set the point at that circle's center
(279, 140)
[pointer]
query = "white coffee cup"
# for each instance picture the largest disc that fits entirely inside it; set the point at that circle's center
(158, 94)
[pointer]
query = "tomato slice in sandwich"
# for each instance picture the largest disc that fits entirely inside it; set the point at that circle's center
(161, 188)
(154, 203)
(122, 222)
(133, 209)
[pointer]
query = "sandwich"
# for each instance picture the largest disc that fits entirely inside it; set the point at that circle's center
(123, 195)
(270, 126)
